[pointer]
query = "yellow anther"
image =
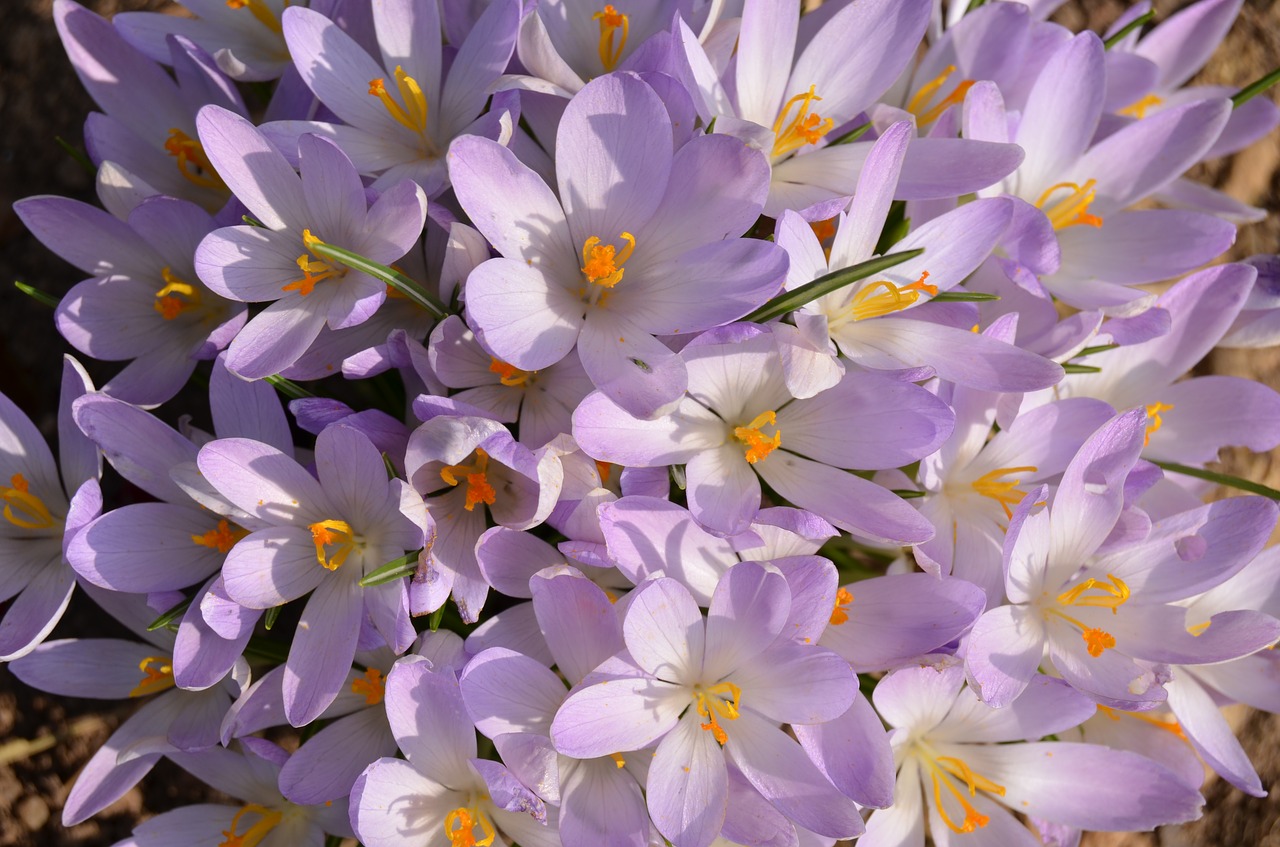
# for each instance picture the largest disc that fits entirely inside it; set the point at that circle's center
(1168, 723)
(509, 375)
(1199, 629)
(478, 488)
(221, 539)
(176, 297)
(267, 820)
(1112, 594)
(332, 533)
(1073, 209)
(618, 760)
(1153, 412)
(942, 770)
(824, 230)
(157, 676)
(315, 269)
(1097, 640)
(602, 264)
(919, 105)
(372, 685)
(711, 702)
(24, 509)
(612, 22)
(413, 114)
(1003, 491)
(460, 826)
(757, 443)
(192, 162)
(840, 611)
(1138, 109)
(805, 128)
(882, 298)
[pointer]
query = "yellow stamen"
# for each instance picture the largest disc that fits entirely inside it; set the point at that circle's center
(882, 298)
(611, 22)
(1003, 491)
(618, 760)
(330, 533)
(176, 297)
(603, 264)
(157, 676)
(604, 469)
(824, 229)
(942, 770)
(509, 374)
(805, 128)
(1166, 722)
(758, 444)
(221, 539)
(413, 114)
(478, 488)
(919, 105)
(1073, 209)
(313, 270)
(840, 612)
(460, 825)
(1110, 596)
(1138, 109)
(1199, 629)
(31, 512)
(710, 702)
(1098, 640)
(267, 820)
(1153, 412)
(371, 685)
(192, 162)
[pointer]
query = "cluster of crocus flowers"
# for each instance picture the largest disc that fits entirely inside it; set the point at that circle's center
(706, 424)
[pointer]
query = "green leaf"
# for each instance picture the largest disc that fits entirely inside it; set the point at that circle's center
(963, 297)
(392, 277)
(852, 135)
(36, 294)
(789, 301)
(1081, 369)
(270, 618)
(289, 388)
(1128, 28)
(170, 615)
(392, 570)
(1220, 478)
(391, 469)
(433, 622)
(678, 477)
(907, 493)
(1253, 89)
(1101, 348)
(80, 157)
(252, 221)
(896, 226)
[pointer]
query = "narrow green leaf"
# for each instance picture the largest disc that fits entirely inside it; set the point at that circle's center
(392, 277)
(289, 388)
(1253, 89)
(789, 301)
(252, 221)
(391, 469)
(678, 477)
(170, 615)
(1220, 478)
(36, 294)
(852, 135)
(963, 297)
(1101, 348)
(1141, 20)
(270, 618)
(392, 570)
(1080, 369)
(711, 127)
(896, 227)
(974, 4)
(74, 153)
(907, 493)
(433, 622)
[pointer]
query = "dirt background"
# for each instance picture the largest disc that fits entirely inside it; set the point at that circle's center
(45, 740)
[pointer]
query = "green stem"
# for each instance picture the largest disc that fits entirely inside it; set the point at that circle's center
(289, 388)
(36, 294)
(392, 570)
(1219, 478)
(392, 277)
(789, 301)
(1253, 89)
(1128, 28)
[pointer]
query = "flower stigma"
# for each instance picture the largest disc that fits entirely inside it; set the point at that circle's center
(882, 298)
(509, 375)
(1168, 723)
(1110, 594)
(611, 22)
(711, 701)
(313, 270)
(840, 611)
(192, 162)
(332, 533)
(805, 128)
(460, 825)
(176, 297)
(267, 820)
(157, 676)
(1073, 209)
(758, 444)
(602, 264)
(31, 512)
(1003, 491)
(919, 105)
(1153, 412)
(372, 686)
(478, 488)
(943, 770)
(223, 538)
(413, 114)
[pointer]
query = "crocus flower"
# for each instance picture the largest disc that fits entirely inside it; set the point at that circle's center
(274, 262)
(641, 242)
(245, 37)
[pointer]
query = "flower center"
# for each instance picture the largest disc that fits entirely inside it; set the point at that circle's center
(372, 685)
(332, 534)
(1071, 210)
(1138, 108)
(22, 508)
(267, 820)
(509, 375)
(1003, 491)
(413, 114)
(602, 264)
(192, 162)
(882, 298)
(223, 538)
(840, 611)
(612, 23)
(919, 105)
(805, 128)
(157, 676)
(478, 488)
(719, 700)
(314, 270)
(176, 297)
(1153, 412)
(264, 15)
(943, 770)
(1097, 594)
(758, 444)
(460, 825)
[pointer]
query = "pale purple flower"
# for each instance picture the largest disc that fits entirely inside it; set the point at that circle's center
(244, 36)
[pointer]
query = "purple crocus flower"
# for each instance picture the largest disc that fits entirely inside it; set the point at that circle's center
(244, 36)
(640, 242)
(274, 262)
(42, 513)
(351, 516)
(733, 680)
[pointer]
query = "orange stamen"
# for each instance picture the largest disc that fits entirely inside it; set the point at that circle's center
(478, 488)
(221, 539)
(372, 685)
(611, 22)
(31, 512)
(192, 162)
(1073, 209)
(805, 128)
(759, 445)
(840, 612)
